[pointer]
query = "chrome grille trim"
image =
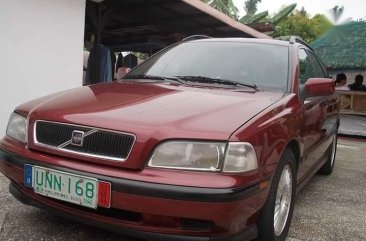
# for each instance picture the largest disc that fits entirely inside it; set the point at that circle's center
(93, 130)
(66, 143)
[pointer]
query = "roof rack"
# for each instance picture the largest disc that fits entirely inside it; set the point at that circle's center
(297, 39)
(294, 39)
(194, 37)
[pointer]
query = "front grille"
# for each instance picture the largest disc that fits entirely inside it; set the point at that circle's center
(95, 142)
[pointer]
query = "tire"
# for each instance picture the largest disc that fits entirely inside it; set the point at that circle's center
(328, 167)
(281, 197)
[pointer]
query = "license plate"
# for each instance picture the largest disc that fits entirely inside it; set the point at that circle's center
(72, 188)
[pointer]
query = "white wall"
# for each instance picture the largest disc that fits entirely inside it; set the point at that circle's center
(41, 50)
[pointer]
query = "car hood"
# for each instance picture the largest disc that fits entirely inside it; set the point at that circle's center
(175, 110)
(155, 111)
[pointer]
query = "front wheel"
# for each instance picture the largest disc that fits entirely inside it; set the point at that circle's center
(275, 219)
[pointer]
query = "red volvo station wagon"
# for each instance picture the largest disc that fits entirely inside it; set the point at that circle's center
(209, 139)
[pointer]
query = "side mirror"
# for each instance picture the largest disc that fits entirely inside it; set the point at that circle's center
(319, 87)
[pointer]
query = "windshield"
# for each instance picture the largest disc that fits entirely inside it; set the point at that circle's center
(261, 65)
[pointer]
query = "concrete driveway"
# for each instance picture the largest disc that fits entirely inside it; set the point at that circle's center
(329, 208)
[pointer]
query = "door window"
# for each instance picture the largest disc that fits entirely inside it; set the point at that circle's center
(306, 69)
(318, 70)
(310, 67)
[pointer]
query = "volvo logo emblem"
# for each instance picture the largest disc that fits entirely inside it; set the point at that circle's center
(77, 138)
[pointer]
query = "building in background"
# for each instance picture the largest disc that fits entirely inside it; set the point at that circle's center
(343, 49)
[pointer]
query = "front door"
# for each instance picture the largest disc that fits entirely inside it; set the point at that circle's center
(316, 117)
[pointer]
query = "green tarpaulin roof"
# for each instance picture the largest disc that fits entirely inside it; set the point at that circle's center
(343, 47)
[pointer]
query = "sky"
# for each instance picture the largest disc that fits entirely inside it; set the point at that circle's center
(355, 9)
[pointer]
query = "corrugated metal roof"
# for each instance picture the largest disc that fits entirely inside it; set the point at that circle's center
(153, 24)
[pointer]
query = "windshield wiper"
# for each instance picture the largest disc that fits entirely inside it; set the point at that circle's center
(199, 79)
(143, 76)
(152, 77)
(209, 80)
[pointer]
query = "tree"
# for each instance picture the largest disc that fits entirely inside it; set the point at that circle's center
(250, 6)
(302, 25)
(225, 6)
(283, 13)
(303, 12)
(336, 13)
(320, 24)
(252, 17)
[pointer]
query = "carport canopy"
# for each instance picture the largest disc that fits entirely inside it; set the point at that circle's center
(150, 25)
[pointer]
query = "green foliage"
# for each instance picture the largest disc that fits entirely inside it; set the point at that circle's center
(250, 6)
(285, 23)
(303, 12)
(320, 24)
(301, 25)
(283, 13)
(259, 16)
(225, 6)
(247, 19)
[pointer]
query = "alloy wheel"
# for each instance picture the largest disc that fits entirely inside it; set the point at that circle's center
(283, 200)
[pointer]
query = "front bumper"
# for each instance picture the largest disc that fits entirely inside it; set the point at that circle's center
(152, 211)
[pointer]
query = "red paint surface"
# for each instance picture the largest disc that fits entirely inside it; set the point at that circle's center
(158, 112)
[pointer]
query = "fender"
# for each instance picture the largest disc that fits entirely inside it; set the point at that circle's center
(273, 130)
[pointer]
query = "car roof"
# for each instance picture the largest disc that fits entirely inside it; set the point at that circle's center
(244, 40)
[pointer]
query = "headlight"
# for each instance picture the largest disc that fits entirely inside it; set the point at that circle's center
(205, 156)
(240, 157)
(17, 127)
(188, 155)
